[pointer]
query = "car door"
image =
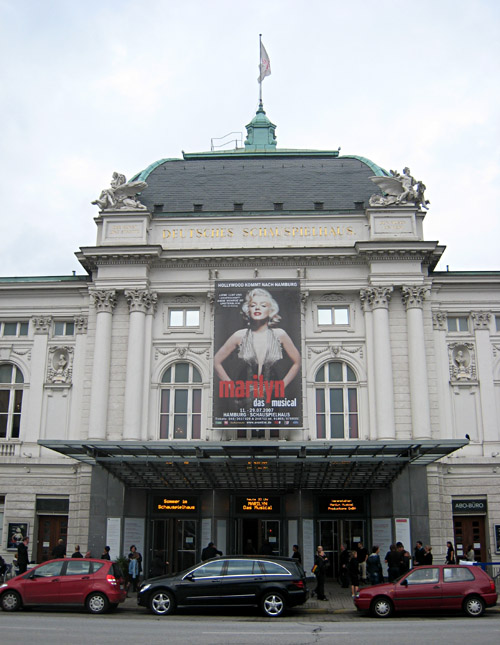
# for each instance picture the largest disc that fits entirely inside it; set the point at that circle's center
(457, 583)
(241, 582)
(42, 585)
(201, 586)
(76, 581)
(420, 589)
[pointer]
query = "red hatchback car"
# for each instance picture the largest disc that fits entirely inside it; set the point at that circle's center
(96, 585)
(465, 588)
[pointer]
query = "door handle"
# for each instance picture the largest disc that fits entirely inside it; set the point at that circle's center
(55, 580)
(85, 577)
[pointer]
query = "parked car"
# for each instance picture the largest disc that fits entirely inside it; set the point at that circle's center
(466, 588)
(273, 584)
(97, 585)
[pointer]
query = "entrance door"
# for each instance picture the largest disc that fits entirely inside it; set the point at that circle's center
(469, 529)
(333, 533)
(175, 541)
(51, 528)
(255, 535)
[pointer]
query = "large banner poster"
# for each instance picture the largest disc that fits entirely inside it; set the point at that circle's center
(257, 361)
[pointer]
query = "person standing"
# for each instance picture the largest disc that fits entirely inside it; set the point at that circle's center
(428, 554)
(77, 553)
(450, 553)
(320, 564)
(343, 566)
(393, 560)
(210, 551)
(296, 553)
(133, 551)
(105, 554)
(354, 572)
(374, 567)
(418, 554)
(22, 555)
(470, 556)
(362, 557)
(59, 551)
(133, 571)
(404, 558)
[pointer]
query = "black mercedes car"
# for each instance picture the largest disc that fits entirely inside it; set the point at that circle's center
(273, 584)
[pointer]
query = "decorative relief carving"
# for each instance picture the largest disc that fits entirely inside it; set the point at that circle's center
(182, 352)
(184, 300)
(81, 324)
(104, 300)
(481, 319)
(41, 324)
(211, 298)
(399, 189)
(141, 300)
(60, 368)
(376, 297)
(332, 297)
(439, 319)
(413, 296)
(462, 361)
(334, 350)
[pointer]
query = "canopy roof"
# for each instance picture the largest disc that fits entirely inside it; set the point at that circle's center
(280, 465)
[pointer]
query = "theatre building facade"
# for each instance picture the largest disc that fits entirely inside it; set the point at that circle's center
(261, 352)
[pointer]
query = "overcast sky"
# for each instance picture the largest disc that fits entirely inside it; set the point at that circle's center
(93, 86)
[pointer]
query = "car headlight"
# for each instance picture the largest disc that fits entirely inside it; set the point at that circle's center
(145, 587)
(3, 585)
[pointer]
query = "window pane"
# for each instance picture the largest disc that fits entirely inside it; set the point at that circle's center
(452, 324)
(320, 375)
(19, 375)
(242, 567)
(3, 426)
(16, 425)
(5, 373)
(18, 399)
(336, 400)
(70, 329)
(337, 421)
(320, 426)
(196, 401)
(4, 401)
(182, 373)
(463, 324)
(334, 372)
(9, 329)
(164, 426)
(23, 329)
(176, 318)
(165, 401)
(353, 426)
(59, 328)
(353, 399)
(49, 569)
(209, 570)
(320, 400)
(325, 316)
(341, 315)
(167, 376)
(76, 567)
(350, 374)
(192, 318)
(196, 375)
(196, 429)
(180, 425)
(181, 398)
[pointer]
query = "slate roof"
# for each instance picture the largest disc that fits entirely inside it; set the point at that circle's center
(258, 181)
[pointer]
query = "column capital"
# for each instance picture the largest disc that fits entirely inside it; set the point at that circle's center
(413, 296)
(481, 319)
(104, 300)
(439, 319)
(41, 324)
(141, 300)
(376, 297)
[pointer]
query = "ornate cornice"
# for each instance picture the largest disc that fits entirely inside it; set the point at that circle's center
(81, 324)
(41, 324)
(439, 319)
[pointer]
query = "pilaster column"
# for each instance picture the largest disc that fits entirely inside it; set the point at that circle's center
(104, 302)
(484, 362)
(413, 298)
(439, 325)
(378, 298)
(140, 301)
(367, 308)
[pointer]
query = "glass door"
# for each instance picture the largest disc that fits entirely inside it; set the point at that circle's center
(185, 543)
(270, 537)
(329, 540)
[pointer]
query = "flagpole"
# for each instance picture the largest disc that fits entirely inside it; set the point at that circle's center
(260, 63)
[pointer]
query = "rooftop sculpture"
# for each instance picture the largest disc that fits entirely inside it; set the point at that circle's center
(399, 189)
(121, 195)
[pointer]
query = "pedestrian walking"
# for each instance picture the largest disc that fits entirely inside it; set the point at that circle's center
(450, 553)
(22, 555)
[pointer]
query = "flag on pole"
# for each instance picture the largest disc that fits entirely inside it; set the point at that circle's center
(265, 64)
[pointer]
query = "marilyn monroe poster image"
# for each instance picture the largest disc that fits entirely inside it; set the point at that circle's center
(257, 362)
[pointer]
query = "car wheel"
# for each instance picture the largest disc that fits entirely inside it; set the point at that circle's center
(474, 606)
(162, 603)
(97, 603)
(11, 601)
(272, 604)
(382, 607)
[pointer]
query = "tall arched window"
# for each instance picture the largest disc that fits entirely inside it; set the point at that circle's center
(11, 399)
(180, 406)
(336, 393)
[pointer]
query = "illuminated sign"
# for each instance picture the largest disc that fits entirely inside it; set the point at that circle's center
(346, 504)
(163, 504)
(258, 504)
